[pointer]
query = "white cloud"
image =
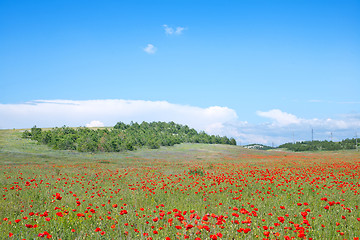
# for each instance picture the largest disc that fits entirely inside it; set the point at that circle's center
(51, 113)
(168, 30)
(150, 49)
(171, 31)
(179, 30)
(281, 118)
(95, 124)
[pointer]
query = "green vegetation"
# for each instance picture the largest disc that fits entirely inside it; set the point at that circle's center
(321, 145)
(122, 137)
(188, 191)
(196, 172)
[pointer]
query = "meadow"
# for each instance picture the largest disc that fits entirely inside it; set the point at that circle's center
(188, 191)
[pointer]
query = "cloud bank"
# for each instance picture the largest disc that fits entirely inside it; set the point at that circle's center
(283, 119)
(276, 128)
(51, 113)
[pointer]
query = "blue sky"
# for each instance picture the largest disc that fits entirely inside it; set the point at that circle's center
(281, 67)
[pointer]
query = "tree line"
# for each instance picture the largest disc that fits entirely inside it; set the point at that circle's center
(122, 137)
(321, 145)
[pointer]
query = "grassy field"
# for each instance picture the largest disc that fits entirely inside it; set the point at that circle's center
(189, 191)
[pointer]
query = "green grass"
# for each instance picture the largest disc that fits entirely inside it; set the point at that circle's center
(202, 181)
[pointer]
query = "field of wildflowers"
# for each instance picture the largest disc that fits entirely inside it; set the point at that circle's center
(189, 191)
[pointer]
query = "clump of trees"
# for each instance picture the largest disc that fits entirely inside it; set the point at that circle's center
(321, 145)
(122, 137)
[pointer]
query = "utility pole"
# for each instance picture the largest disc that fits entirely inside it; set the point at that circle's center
(331, 136)
(312, 134)
(293, 137)
(356, 146)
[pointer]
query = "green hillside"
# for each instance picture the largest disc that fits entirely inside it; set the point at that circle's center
(16, 150)
(122, 137)
(322, 145)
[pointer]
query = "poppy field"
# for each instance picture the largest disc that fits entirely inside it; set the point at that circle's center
(189, 191)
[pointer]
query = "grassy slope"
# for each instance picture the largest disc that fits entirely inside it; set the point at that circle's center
(16, 150)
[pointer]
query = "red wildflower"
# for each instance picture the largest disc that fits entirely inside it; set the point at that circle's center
(213, 237)
(58, 196)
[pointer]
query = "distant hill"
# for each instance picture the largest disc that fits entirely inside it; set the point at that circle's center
(322, 145)
(122, 137)
(257, 146)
